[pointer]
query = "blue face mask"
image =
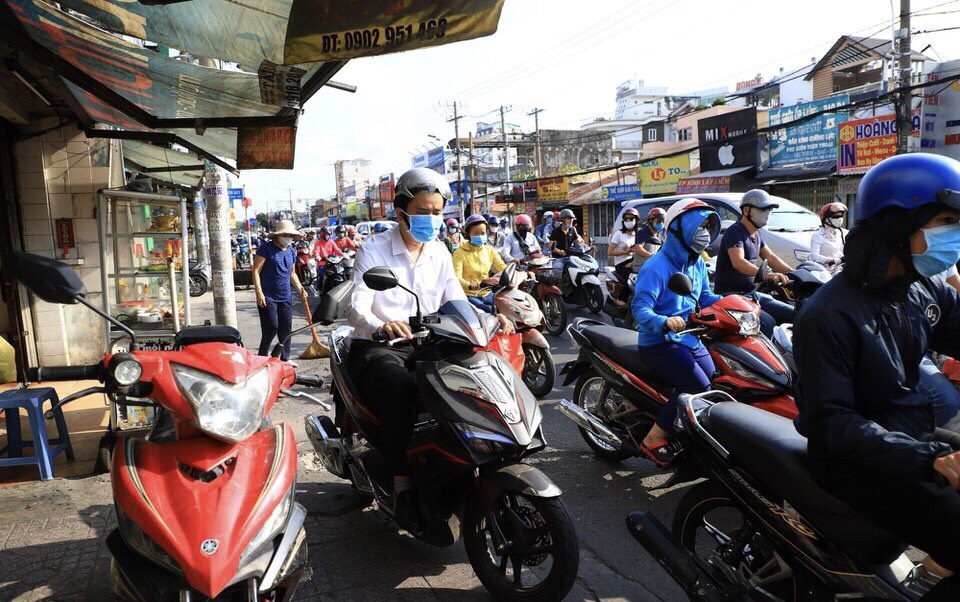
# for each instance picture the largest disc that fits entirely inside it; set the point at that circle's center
(943, 250)
(477, 241)
(658, 227)
(424, 228)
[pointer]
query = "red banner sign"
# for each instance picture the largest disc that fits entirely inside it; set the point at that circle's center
(266, 147)
(697, 185)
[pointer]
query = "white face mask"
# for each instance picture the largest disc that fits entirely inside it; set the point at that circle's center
(629, 224)
(759, 217)
(494, 230)
(284, 241)
(836, 222)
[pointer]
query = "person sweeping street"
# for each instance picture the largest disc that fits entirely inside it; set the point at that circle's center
(273, 280)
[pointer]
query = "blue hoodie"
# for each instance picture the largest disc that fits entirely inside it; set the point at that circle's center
(653, 302)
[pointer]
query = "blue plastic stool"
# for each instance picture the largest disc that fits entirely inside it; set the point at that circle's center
(32, 399)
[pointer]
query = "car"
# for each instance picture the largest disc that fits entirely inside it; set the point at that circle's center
(787, 233)
(365, 229)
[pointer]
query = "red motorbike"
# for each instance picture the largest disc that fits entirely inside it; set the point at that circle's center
(546, 290)
(206, 504)
(618, 397)
(306, 266)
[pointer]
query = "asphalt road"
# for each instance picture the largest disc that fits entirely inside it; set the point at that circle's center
(597, 494)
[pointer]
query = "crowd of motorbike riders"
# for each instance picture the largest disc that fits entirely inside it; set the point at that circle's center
(868, 395)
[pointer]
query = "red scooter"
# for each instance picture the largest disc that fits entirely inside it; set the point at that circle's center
(306, 266)
(205, 505)
(617, 397)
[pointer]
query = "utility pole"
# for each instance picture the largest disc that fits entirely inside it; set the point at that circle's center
(904, 96)
(221, 259)
(456, 137)
(536, 126)
(472, 179)
(506, 155)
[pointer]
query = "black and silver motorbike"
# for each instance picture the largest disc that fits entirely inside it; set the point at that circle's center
(199, 278)
(478, 423)
(760, 527)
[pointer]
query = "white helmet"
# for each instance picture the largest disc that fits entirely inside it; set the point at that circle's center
(682, 206)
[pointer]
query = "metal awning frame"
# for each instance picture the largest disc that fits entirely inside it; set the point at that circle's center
(18, 38)
(159, 138)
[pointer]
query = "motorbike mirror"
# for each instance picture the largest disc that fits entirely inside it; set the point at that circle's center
(506, 276)
(680, 284)
(380, 279)
(49, 279)
(334, 304)
(762, 272)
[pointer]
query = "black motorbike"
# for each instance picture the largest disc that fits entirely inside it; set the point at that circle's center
(199, 279)
(760, 527)
(476, 426)
(243, 253)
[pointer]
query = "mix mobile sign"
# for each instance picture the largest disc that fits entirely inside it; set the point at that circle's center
(865, 142)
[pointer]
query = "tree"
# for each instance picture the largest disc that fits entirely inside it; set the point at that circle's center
(719, 101)
(263, 221)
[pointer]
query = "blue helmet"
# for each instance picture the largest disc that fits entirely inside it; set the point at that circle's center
(909, 181)
(492, 220)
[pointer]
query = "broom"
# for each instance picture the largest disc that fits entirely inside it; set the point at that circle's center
(316, 349)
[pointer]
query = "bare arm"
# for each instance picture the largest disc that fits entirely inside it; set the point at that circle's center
(740, 263)
(258, 262)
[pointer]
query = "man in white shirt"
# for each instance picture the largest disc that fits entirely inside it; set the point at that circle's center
(423, 265)
(521, 242)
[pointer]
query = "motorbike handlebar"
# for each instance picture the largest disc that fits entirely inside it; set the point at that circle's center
(55, 373)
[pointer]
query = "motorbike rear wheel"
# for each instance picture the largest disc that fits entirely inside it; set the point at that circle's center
(711, 524)
(198, 286)
(555, 312)
(594, 298)
(591, 392)
(542, 553)
(539, 370)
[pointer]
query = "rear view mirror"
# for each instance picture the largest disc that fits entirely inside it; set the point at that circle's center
(680, 284)
(334, 304)
(49, 279)
(506, 277)
(762, 272)
(380, 279)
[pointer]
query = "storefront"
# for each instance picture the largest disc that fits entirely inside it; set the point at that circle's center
(736, 179)
(809, 184)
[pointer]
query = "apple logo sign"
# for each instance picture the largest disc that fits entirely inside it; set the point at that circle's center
(726, 154)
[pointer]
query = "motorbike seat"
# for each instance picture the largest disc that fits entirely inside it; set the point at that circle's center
(770, 448)
(620, 345)
(216, 333)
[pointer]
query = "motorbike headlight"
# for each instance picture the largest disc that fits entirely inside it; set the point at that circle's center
(269, 530)
(742, 371)
(492, 384)
(481, 440)
(801, 255)
(227, 411)
(749, 321)
(312, 262)
(126, 369)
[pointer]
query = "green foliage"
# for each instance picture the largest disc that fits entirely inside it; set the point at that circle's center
(719, 101)
(263, 221)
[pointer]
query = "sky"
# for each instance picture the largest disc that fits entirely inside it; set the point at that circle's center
(567, 57)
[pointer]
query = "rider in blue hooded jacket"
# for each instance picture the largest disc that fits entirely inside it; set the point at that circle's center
(680, 360)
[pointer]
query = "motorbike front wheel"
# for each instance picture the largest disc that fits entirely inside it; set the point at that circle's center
(198, 286)
(539, 371)
(710, 522)
(540, 558)
(594, 298)
(591, 393)
(555, 313)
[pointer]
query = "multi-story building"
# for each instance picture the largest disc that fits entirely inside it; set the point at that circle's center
(637, 105)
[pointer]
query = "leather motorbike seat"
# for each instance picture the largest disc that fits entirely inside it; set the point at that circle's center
(771, 450)
(208, 333)
(620, 345)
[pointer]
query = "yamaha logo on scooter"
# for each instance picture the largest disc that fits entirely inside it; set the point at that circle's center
(209, 547)
(933, 313)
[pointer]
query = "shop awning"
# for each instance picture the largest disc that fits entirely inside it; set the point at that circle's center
(126, 83)
(163, 163)
(709, 181)
(803, 172)
(250, 32)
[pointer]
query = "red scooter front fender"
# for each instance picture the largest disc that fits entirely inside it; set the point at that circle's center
(204, 526)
